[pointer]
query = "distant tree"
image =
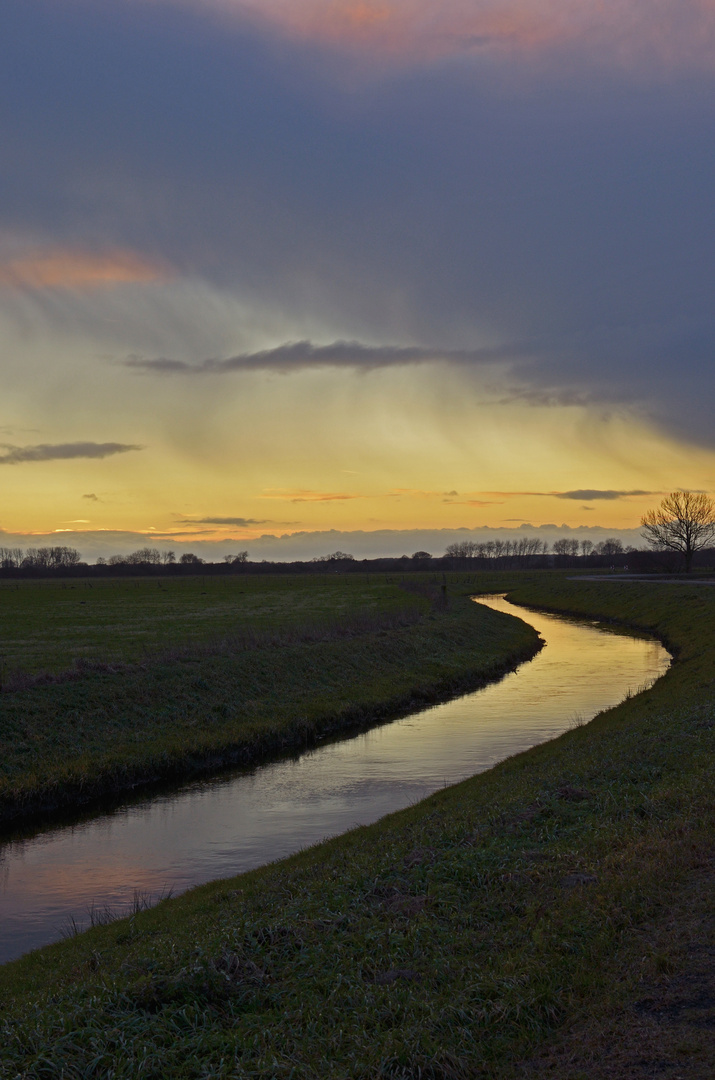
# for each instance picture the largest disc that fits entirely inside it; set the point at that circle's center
(336, 556)
(422, 555)
(11, 558)
(684, 522)
(68, 556)
(241, 557)
(465, 549)
(609, 547)
(50, 558)
(168, 557)
(144, 557)
(586, 547)
(565, 549)
(529, 546)
(189, 559)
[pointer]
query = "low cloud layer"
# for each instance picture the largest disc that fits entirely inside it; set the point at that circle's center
(14, 455)
(362, 544)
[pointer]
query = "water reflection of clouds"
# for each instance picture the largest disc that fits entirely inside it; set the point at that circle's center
(209, 830)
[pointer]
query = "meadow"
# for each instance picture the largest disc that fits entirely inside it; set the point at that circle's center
(541, 919)
(48, 625)
(112, 684)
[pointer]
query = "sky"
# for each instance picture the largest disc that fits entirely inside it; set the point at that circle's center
(329, 268)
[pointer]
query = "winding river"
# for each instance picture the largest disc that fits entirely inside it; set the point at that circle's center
(238, 820)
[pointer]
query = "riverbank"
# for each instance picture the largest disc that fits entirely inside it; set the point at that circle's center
(306, 661)
(183, 834)
(525, 908)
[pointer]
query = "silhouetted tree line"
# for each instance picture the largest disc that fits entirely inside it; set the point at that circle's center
(524, 554)
(44, 558)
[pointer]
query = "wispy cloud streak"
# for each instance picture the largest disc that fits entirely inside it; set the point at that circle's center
(240, 522)
(303, 355)
(14, 455)
(591, 494)
(306, 495)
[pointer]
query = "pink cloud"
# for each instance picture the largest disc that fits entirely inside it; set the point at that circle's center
(70, 268)
(674, 32)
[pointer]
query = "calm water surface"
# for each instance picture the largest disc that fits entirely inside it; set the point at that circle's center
(220, 826)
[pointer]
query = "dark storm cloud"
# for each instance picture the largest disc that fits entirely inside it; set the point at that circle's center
(490, 199)
(13, 455)
(299, 355)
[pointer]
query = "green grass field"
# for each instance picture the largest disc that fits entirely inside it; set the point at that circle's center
(48, 625)
(498, 929)
(160, 678)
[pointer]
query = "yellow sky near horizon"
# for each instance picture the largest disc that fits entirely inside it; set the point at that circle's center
(90, 444)
(245, 454)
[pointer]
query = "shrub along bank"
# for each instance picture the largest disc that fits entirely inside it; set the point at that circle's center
(450, 940)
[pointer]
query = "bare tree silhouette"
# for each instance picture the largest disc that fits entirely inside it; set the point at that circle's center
(684, 521)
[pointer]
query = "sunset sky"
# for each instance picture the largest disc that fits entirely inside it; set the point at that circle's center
(287, 266)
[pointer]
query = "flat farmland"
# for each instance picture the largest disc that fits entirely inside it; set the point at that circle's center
(549, 918)
(47, 625)
(109, 685)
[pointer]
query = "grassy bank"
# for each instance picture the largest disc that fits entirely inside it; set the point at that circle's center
(269, 665)
(451, 940)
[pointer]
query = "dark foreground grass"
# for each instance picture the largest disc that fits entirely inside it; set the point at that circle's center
(451, 940)
(353, 655)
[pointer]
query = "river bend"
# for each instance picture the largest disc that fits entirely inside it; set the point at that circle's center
(238, 820)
